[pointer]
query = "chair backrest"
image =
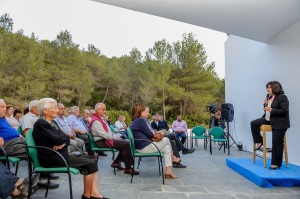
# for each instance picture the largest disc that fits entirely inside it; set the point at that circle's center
(32, 152)
(20, 131)
(199, 130)
(217, 132)
(92, 141)
(112, 128)
(131, 139)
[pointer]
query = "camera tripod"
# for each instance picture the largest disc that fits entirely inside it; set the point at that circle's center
(228, 140)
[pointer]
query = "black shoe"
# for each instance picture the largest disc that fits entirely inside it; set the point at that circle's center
(44, 185)
(187, 151)
(53, 177)
(178, 165)
(274, 168)
(46, 175)
(102, 153)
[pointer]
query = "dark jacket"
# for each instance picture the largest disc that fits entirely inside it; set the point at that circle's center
(162, 125)
(50, 135)
(279, 117)
(141, 130)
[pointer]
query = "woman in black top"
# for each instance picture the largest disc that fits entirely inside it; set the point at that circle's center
(276, 108)
(47, 133)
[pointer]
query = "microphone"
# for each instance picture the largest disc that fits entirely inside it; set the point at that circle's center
(268, 97)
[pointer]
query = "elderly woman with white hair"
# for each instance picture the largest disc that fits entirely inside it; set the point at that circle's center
(47, 133)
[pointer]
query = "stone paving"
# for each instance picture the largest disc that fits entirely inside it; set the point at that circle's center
(206, 177)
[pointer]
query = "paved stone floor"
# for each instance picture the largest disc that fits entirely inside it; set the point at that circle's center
(206, 177)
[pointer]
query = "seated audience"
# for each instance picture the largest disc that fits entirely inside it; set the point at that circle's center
(164, 124)
(17, 114)
(121, 126)
(179, 127)
(27, 123)
(85, 119)
(26, 110)
(9, 117)
(14, 144)
(64, 125)
(79, 128)
(11, 185)
(142, 132)
(216, 120)
(30, 118)
(47, 133)
(177, 146)
(104, 137)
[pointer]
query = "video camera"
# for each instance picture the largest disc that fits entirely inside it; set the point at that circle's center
(211, 108)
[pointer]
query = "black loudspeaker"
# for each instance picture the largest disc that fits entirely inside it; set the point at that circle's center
(227, 112)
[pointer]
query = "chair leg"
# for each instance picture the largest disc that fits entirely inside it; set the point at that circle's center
(254, 153)
(286, 152)
(210, 146)
(17, 166)
(113, 159)
(48, 183)
(158, 165)
(264, 148)
(139, 162)
(133, 169)
(70, 185)
(162, 170)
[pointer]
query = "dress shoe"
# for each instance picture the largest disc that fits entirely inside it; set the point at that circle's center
(117, 166)
(274, 168)
(44, 185)
(131, 171)
(178, 165)
(84, 197)
(102, 153)
(187, 151)
(257, 148)
(52, 176)
(170, 176)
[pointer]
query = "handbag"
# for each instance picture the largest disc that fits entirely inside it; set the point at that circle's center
(157, 137)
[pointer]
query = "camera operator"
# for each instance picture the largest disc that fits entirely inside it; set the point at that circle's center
(216, 120)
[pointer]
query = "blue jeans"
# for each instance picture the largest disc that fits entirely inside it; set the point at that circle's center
(182, 135)
(7, 182)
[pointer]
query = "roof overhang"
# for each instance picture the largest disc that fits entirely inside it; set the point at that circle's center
(259, 20)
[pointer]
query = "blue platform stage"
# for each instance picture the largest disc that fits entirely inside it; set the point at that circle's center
(264, 177)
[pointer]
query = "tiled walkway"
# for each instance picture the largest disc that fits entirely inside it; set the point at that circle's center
(206, 177)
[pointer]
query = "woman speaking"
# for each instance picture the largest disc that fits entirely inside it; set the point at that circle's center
(276, 108)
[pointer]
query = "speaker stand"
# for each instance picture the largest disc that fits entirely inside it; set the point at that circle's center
(228, 135)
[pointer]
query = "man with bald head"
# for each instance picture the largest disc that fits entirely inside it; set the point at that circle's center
(104, 137)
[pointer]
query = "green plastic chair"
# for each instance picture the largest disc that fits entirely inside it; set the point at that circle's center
(20, 131)
(33, 158)
(97, 149)
(217, 134)
(112, 128)
(199, 133)
(135, 154)
(7, 159)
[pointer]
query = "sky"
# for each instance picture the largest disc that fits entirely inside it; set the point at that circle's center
(115, 31)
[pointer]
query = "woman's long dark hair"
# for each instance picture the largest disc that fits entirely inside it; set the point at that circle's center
(276, 87)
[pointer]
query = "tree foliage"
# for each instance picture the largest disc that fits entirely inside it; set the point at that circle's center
(171, 78)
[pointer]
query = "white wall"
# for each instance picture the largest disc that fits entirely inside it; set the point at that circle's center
(249, 66)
